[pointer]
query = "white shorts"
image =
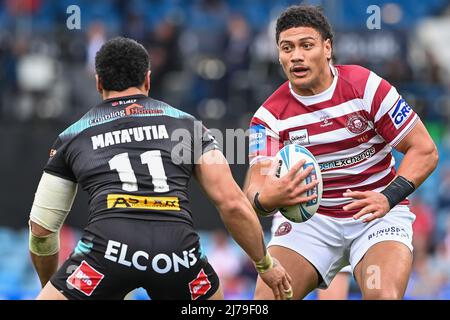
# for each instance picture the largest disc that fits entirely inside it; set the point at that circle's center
(346, 269)
(330, 244)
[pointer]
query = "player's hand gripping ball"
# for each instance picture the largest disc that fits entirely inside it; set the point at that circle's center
(289, 156)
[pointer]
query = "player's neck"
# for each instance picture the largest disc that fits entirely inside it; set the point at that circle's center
(324, 81)
(118, 94)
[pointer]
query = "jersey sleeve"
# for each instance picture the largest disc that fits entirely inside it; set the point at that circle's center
(264, 140)
(57, 164)
(203, 140)
(209, 142)
(392, 116)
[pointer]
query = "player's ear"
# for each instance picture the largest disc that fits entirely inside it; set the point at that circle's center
(147, 81)
(98, 84)
(328, 49)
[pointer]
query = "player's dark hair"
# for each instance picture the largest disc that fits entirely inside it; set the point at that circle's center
(121, 63)
(304, 16)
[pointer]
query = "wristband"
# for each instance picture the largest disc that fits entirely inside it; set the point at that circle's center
(260, 208)
(398, 190)
(265, 264)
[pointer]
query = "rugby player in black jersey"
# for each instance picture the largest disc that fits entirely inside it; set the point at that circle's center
(134, 156)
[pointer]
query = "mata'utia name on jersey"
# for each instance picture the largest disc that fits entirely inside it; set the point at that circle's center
(129, 135)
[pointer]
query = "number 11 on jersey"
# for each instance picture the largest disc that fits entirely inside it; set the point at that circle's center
(121, 163)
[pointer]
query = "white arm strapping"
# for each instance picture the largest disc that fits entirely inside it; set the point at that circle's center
(52, 202)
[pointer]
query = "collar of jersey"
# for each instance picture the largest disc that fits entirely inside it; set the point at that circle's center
(139, 95)
(320, 97)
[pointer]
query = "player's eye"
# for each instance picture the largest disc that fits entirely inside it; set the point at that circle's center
(307, 46)
(286, 48)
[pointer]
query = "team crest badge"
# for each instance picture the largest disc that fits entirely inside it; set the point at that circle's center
(357, 124)
(283, 229)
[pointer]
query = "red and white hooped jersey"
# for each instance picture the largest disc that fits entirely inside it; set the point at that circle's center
(350, 128)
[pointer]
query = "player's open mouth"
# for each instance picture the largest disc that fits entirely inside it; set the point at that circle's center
(299, 71)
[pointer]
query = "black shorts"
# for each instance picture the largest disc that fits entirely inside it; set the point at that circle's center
(116, 256)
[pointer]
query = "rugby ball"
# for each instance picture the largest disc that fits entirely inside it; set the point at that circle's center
(288, 157)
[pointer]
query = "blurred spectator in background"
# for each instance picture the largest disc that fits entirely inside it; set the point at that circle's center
(165, 55)
(226, 261)
(422, 229)
(443, 201)
(68, 240)
(134, 26)
(96, 38)
(236, 56)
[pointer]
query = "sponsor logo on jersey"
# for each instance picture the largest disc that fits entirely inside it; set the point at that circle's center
(142, 202)
(340, 163)
(299, 136)
(138, 109)
(109, 116)
(357, 124)
(200, 285)
(401, 113)
(283, 229)
(161, 263)
(122, 102)
(257, 139)
(134, 109)
(389, 231)
(85, 278)
(325, 121)
(136, 134)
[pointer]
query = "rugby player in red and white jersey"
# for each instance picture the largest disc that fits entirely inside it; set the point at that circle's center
(350, 119)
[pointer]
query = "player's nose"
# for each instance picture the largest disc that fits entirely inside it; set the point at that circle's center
(297, 55)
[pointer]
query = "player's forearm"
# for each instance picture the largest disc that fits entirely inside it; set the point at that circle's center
(45, 266)
(418, 163)
(248, 188)
(250, 193)
(252, 186)
(243, 224)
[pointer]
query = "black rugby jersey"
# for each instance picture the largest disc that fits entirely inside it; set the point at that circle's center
(134, 156)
